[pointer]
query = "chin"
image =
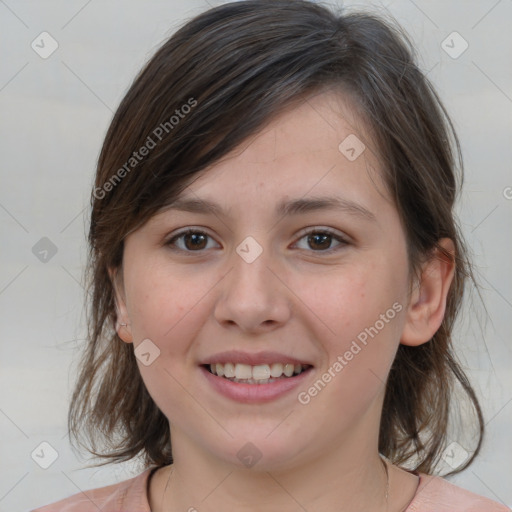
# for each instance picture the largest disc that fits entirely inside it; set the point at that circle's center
(257, 451)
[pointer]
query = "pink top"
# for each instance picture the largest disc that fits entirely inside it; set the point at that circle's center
(434, 494)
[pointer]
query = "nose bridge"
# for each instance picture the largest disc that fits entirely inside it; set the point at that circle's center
(251, 295)
(250, 273)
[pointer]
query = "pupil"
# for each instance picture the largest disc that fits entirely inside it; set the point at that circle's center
(196, 242)
(314, 238)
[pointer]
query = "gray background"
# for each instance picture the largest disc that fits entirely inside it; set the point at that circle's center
(55, 112)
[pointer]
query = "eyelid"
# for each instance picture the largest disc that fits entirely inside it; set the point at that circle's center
(311, 230)
(185, 231)
(323, 229)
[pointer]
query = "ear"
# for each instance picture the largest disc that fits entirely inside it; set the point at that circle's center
(427, 305)
(123, 325)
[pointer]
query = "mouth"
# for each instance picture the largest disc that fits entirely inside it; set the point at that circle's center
(256, 374)
(251, 384)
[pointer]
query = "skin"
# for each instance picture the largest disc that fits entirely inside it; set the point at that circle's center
(295, 298)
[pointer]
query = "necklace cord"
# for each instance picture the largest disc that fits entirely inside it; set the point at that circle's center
(381, 459)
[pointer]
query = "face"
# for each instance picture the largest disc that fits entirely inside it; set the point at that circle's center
(319, 285)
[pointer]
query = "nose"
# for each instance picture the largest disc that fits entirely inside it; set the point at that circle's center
(253, 296)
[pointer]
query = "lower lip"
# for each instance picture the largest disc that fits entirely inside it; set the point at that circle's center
(254, 393)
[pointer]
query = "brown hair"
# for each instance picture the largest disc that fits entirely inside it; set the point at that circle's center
(235, 67)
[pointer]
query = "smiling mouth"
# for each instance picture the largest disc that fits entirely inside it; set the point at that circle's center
(257, 374)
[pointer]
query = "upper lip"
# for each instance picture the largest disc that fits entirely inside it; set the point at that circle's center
(236, 356)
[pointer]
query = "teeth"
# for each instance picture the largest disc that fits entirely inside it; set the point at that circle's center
(261, 373)
(229, 370)
(243, 371)
(276, 370)
(288, 369)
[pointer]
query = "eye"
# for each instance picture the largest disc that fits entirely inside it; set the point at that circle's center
(193, 240)
(321, 239)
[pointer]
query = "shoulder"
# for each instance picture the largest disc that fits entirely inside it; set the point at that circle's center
(436, 494)
(130, 493)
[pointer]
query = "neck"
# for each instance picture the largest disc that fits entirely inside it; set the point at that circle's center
(348, 478)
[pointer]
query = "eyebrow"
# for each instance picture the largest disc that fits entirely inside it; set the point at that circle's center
(284, 208)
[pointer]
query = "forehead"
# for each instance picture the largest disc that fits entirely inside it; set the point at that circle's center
(318, 122)
(318, 146)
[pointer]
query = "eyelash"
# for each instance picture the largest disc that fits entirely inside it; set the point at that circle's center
(322, 231)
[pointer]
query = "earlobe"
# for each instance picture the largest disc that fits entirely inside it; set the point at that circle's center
(123, 326)
(427, 304)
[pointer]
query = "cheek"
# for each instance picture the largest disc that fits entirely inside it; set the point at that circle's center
(373, 325)
(352, 301)
(364, 313)
(163, 308)
(160, 300)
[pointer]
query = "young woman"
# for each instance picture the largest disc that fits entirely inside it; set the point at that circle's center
(275, 272)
